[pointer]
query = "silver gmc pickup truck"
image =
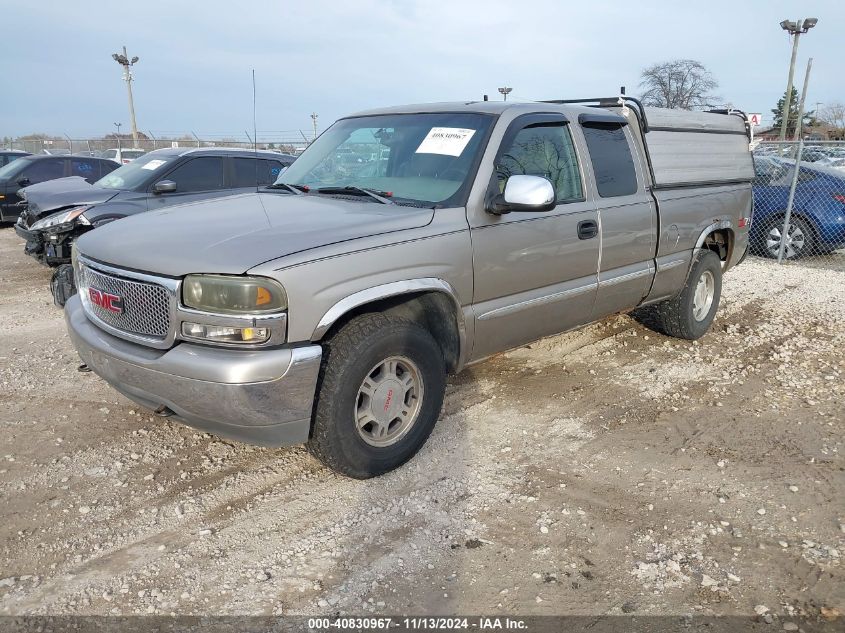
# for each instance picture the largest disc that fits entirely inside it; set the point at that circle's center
(403, 245)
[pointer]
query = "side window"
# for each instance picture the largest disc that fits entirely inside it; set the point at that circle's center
(246, 170)
(198, 174)
(43, 170)
(543, 150)
(611, 157)
(273, 168)
(85, 168)
(107, 167)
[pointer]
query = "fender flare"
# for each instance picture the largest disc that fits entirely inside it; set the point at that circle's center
(699, 244)
(395, 289)
(716, 226)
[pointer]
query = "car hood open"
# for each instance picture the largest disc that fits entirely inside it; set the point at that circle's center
(54, 195)
(233, 234)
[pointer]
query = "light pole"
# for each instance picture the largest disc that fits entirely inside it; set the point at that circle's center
(314, 121)
(505, 91)
(795, 29)
(117, 125)
(124, 61)
(816, 111)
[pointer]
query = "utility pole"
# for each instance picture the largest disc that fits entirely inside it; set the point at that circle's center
(124, 61)
(314, 121)
(795, 29)
(117, 125)
(505, 91)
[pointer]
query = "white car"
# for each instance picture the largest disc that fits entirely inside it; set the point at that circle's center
(123, 156)
(833, 162)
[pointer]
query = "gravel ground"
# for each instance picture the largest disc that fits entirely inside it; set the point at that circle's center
(610, 470)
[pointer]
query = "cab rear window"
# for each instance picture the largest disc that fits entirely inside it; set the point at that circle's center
(611, 158)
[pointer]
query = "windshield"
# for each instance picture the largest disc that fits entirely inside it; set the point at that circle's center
(136, 173)
(418, 158)
(13, 169)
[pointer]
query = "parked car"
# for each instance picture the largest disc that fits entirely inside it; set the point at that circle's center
(31, 170)
(817, 221)
(57, 213)
(835, 162)
(123, 156)
(59, 151)
(329, 309)
(8, 155)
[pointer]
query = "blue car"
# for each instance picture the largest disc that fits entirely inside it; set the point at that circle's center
(817, 224)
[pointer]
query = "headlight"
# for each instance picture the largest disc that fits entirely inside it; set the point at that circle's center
(233, 295)
(62, 217)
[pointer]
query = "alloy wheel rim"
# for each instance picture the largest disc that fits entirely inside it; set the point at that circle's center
(702, 299)
(388, 402)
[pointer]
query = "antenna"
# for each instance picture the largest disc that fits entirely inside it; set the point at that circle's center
(254, 132)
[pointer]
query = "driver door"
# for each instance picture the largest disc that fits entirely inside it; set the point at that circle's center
(535, 272)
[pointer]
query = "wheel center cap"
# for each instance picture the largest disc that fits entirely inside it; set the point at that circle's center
(387, 400)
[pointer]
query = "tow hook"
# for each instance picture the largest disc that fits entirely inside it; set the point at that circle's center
(163, 412)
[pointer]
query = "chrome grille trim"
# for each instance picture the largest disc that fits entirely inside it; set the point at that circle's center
(155, 325)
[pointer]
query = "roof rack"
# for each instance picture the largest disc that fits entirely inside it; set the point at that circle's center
(608, 102)
(604, 102)
(735, 112)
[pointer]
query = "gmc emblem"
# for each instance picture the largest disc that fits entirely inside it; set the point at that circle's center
(105, 300)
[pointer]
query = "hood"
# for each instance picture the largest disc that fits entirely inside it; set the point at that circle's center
(53, 195)
(233, 234)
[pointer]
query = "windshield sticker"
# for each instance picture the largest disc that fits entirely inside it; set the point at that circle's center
(154, 164)
(450, 141)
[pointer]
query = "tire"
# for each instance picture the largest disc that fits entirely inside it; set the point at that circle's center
(62, 284)
(357, 383)
(802, 239)
(686, 316)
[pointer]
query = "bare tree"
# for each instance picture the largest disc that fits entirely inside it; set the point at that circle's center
(681, 84)
(833, 115)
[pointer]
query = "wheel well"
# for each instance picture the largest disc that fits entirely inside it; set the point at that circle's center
(435, 311)
(720, 242)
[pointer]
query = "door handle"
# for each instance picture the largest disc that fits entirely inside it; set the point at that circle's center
(587, 229)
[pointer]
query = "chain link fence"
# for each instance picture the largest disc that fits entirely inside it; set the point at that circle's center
(98, 146)
(799, 214)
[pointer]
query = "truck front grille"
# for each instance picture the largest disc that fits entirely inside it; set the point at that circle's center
(145, 307)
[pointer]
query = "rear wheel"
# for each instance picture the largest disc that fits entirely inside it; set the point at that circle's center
(381, 387)
(800, 240)
(689, 314)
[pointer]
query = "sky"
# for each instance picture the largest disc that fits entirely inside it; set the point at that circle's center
(335, 58)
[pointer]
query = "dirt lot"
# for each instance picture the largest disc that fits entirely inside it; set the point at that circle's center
(605, 471)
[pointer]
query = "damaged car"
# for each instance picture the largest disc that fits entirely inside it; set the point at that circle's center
(56, 213)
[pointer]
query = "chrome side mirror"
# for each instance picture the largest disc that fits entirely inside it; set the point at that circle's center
(524, 193)
(164, 186)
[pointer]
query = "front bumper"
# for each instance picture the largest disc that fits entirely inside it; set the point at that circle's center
(260, 397)
(48, 250)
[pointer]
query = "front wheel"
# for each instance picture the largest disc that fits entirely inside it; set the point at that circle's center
(689, 314)
(382, 381)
